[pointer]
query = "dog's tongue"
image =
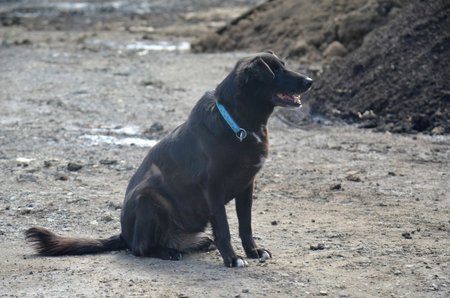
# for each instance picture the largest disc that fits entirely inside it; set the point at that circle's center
(288, 97)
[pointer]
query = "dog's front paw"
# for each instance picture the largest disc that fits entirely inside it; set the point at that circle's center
(259, 253)
(236, 261)
(264, 254)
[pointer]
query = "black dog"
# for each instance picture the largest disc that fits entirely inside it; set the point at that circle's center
(189, 176)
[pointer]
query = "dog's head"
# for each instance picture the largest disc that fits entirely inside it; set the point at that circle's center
(264, 77)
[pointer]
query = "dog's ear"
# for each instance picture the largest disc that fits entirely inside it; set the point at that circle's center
(259, 70)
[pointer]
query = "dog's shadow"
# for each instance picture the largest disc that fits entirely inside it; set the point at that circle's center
(191, 266)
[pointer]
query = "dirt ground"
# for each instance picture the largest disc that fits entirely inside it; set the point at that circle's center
(345, 212)
(302, 29)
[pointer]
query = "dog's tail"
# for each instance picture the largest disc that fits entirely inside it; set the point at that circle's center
(49, 244)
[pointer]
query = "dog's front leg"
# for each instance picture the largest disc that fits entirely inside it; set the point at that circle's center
(221, 232)
(244, 213)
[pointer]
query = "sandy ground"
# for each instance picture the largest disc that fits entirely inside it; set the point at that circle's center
(345, 212)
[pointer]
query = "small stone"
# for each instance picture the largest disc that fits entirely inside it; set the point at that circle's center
(115, 206)
(156, 127)
(438, 130)
(245, 290)
(152, 83)
(73, 167)
(24, 162)
(353, 178)
(391, 174)
(337, 186)
(25, 211)
(300, 48)
(47, 163)
(367, 115)
(335, 49)
(107, 218)
(323, 293)
(108, 161)
(406, 235)
(27, 178)
(319, 246)
(274, 223)
(397, 272)
(25, 41)
(62, 177)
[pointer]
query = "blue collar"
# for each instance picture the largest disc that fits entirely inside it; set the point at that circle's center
(241, 133)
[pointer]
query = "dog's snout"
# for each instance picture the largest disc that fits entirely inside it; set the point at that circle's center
(307, 82)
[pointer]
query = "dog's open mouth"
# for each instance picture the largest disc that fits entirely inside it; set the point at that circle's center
(286, 99)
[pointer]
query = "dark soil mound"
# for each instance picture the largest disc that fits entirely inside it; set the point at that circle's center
(390, 68)
(399, 79)
(307, 29)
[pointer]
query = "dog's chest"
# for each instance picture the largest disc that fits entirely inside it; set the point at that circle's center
(253, 160)
(241, 161)
(258, 148)
(253, 157)
(243, 171)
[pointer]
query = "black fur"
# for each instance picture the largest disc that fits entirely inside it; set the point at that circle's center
(49, 244)
(187, 179)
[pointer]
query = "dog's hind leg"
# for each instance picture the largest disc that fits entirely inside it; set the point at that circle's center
(147, 225)
(197, 243)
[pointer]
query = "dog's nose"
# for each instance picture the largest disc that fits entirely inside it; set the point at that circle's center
(308, 82)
